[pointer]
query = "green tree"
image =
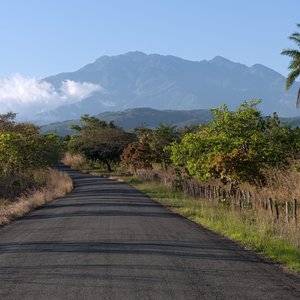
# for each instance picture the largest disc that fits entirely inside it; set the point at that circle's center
(236, 145)
(100, 141)
(294, 65)
(159, 140)
(22, 148)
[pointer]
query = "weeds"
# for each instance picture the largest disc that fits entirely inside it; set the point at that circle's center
(74, 161)
(57, 185)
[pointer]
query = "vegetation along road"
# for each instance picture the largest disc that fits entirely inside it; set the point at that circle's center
(106, 240)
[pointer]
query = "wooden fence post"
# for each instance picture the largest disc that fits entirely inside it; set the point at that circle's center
(249, 200)
(243, 196)
(219, 191)
(271, 205)
(295, 211)
(287, 211)
(276, 210)
(215, 192)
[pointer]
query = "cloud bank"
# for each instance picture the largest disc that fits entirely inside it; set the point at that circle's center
(30, 96)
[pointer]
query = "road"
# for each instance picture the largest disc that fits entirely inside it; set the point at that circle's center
(106, 240)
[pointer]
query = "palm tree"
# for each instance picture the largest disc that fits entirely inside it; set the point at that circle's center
(294, 64)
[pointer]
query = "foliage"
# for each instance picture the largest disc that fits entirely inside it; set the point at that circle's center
(151, 147)
(236, 145)
(23, 153)
(162, 137)
(137, 155)
(99, 141)
(294, 65)
(22, 148)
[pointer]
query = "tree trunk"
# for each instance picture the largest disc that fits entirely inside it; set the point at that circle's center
(108, 166)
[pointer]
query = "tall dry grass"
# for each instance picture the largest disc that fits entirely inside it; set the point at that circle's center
(74, 161)
(57, 184)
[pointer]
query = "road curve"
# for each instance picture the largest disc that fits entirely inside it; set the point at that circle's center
(106, 240)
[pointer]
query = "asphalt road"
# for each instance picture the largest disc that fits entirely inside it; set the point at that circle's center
(106, 240)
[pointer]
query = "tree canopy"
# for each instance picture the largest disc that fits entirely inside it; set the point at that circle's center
(22, 148)
(294, 65)
(235, 144)
(100, 141)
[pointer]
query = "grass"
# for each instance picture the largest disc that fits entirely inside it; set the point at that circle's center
(249, 230)
(57, 185)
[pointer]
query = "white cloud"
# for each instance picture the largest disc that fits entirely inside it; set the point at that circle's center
(76, 90)
(29, 96)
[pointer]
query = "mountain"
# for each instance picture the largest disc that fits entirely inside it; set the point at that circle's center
(294, 121)
(162, 82)
(132, 118)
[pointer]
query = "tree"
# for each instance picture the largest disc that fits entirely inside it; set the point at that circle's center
(22, 148)
(294, 65)
(151, 148)
(161, 137)
(137, 155)
(100, 141)
(236, 145)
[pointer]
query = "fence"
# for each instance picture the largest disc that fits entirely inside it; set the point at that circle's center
(232, 197)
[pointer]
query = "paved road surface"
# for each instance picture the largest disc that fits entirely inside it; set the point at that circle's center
(106, 240)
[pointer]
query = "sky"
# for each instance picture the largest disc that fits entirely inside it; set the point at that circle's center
(43, 38)
(40, 38)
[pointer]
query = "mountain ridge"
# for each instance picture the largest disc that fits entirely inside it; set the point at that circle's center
(131, 118)
(136, 79)
(134, 117)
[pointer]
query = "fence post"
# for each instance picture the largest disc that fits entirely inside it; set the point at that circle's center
(243, 197)
(261, 203)
(276, 210)
(198, 189)
(209, 192)
(219, 191)
(240, 199)
(224, 194)
(287, 211)
(215, 192)
(193, 190)
(271, 205)
(249, 200)
(295, 211)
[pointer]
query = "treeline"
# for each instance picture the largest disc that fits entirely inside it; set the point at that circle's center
(24, 152)
(235, 146)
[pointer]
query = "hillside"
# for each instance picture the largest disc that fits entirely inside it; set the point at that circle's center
(149, 117)
(132, 118)
(162, 82)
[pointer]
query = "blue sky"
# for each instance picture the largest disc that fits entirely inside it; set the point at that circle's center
(45, 37)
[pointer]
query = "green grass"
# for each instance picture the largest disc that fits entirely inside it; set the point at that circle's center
(257, 234)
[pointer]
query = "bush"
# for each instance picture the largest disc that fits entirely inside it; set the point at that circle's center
(236, 145)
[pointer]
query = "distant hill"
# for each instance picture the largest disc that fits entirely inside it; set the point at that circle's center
(132, 118)
(162, 82)
(294, 121)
